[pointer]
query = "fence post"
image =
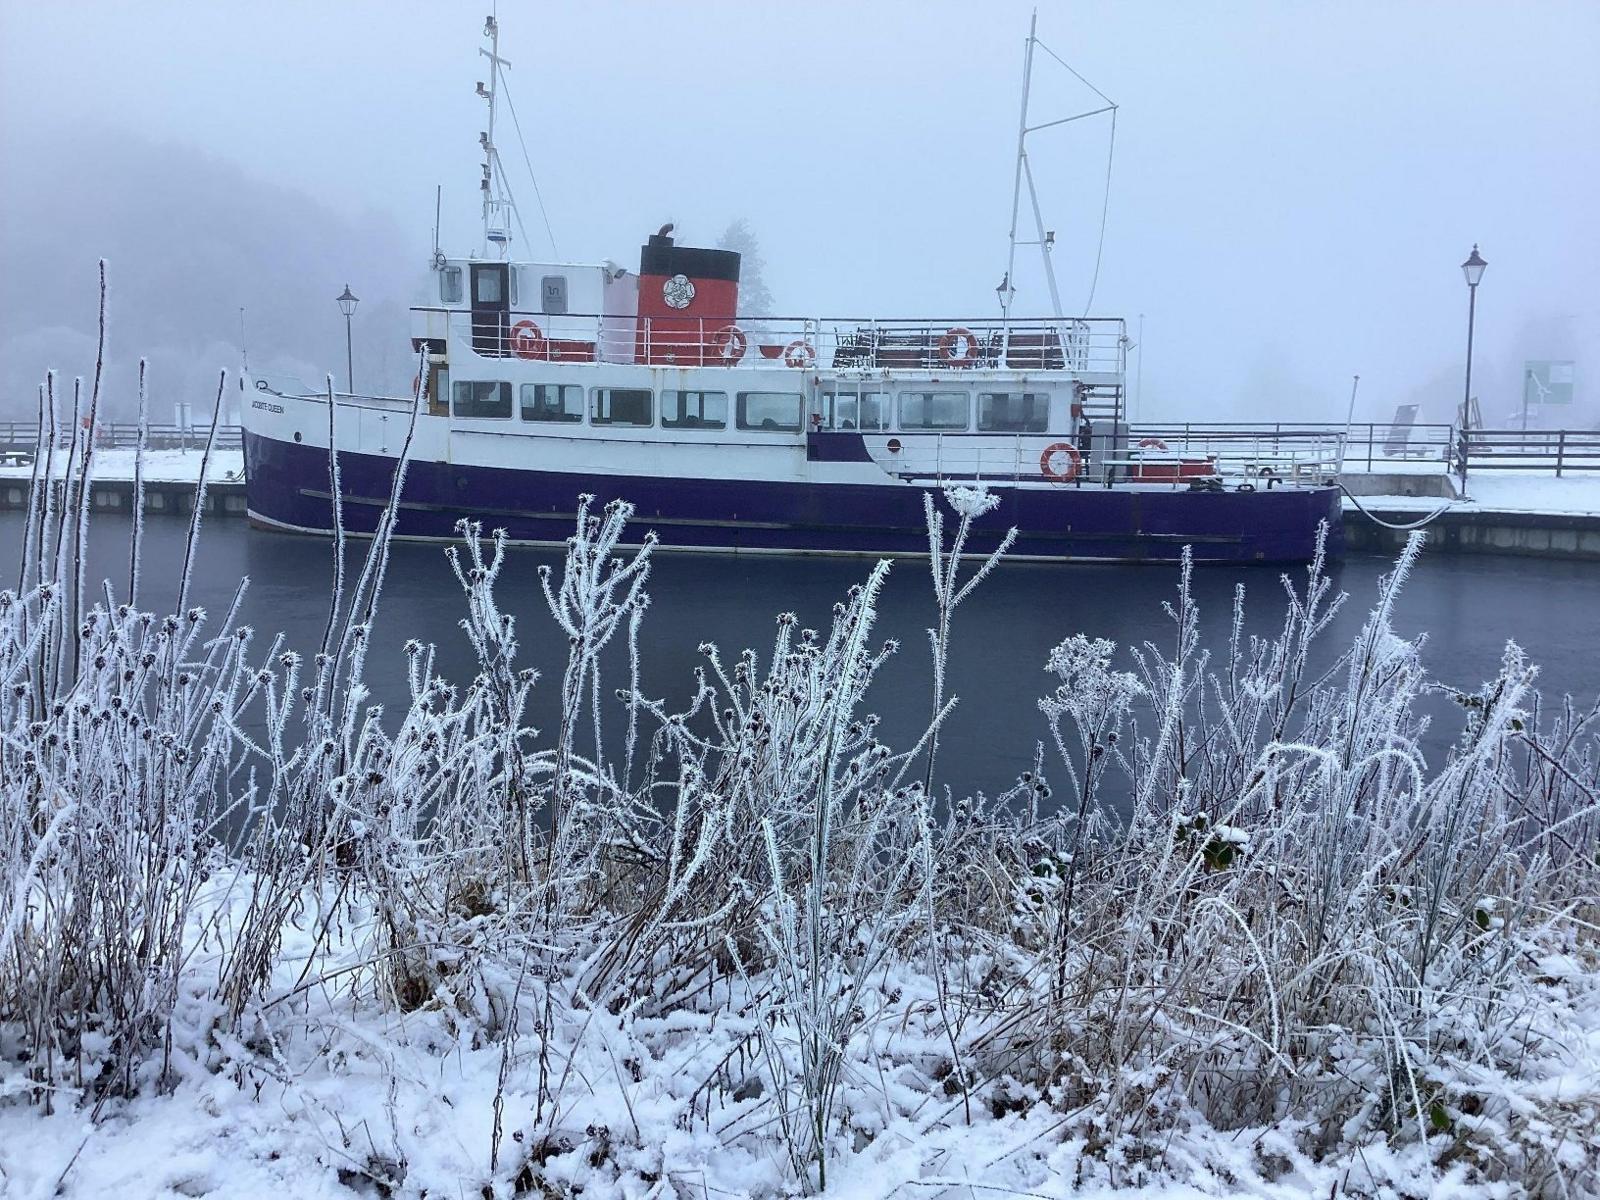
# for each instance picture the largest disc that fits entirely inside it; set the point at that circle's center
(1372, 434)
(1561, 450)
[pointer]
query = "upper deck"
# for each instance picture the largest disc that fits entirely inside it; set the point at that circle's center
(681, 309)
(1091, 348)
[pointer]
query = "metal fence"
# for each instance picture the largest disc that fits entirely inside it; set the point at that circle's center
(1558, 450)
(20, 437)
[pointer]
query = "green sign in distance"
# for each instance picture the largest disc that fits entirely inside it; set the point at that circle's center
(1547, 382)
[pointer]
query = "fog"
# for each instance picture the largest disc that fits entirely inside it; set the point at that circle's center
(1292, 186)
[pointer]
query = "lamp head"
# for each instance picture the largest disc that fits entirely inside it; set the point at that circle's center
(1473, 267)
(348, 302)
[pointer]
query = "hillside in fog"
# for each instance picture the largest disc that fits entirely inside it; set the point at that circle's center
(190, 239)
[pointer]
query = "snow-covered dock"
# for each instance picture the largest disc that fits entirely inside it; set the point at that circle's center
(169, 480)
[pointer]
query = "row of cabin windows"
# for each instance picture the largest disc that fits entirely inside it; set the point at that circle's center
(998, 412)
(563, 403)
(943, 411)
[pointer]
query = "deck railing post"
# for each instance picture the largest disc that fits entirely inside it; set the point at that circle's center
(1372, 436)
(1561, 450)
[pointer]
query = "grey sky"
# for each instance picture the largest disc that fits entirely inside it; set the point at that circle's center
(1294, 184)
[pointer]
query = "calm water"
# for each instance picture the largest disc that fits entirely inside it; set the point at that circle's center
(1468, 607)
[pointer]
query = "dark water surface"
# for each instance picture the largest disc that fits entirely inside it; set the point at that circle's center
(1468, 606)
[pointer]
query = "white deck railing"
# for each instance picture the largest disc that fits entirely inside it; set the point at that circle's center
(1094, 345)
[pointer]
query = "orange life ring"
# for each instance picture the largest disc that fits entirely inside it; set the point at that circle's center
(729, 344)
(947, 347)
(1152, 443)
(799, 353)
(1062, 475)
(526, 340)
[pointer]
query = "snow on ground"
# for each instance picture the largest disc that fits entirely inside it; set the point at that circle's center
(160, 466)
(1576, 494)
(339, 1097)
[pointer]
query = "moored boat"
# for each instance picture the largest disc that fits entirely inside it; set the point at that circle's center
(541, 382)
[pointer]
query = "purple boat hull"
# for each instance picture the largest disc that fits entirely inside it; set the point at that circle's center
(288, 488)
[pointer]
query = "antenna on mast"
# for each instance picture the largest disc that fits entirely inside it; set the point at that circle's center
(438, 195)
(497, 206)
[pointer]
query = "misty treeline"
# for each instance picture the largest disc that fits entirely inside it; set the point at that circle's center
(748, 932)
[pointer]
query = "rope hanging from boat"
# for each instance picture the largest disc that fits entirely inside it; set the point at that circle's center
(1403, 528)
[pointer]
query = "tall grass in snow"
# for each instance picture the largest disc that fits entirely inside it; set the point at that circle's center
(743, 926)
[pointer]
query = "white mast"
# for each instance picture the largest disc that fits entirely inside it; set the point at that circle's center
(496, 201)
(1045, 239)
(1007, 289)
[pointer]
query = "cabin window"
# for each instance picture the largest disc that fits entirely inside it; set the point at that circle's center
(553, 294)
(934, 410)
(694, 410)
(1013, 412)
(855, 410)
(771, 411)
(552, 402)
(480, 399)
(449, 285)
(620, 406)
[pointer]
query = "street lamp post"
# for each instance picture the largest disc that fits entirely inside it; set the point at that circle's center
(347, 305)
(1473, 270)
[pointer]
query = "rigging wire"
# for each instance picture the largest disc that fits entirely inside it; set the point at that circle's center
(528, 162)
(1105, 209)
(1111, 149)
(516, 212)
(1078, 77)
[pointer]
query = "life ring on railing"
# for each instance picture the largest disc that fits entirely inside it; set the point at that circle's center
(729, 344)
(526, 340)
(1152, 443)
(962, 336)
(1056, 469)
(799, 353)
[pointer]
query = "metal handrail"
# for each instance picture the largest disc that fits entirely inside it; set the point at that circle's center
(1089, 345)
(18, 436)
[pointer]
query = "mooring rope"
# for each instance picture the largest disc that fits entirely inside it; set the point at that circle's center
(1371, 516)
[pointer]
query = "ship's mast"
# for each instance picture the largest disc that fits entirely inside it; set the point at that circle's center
(1045, 239)
(497, 207)
(1007, 288)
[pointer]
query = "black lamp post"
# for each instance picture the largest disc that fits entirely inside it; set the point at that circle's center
(347, 305)
(1473, 270)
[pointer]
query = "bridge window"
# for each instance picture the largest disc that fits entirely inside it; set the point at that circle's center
(694, 410)
(934, 410)
(771, 411)
(480, 399)
(620, 406)
(450, 285)
(852, 410)
(1013, 412)
(552, 402)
